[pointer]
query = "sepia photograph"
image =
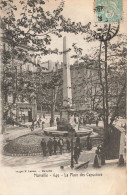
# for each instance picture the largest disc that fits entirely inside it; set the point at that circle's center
(63, 92)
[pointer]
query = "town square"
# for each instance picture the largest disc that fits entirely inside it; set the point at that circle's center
(63, 87)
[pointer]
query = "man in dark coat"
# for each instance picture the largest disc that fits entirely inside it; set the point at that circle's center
(89, 143)
(50, 146)
(97, 122)
(78, 141)
(84, 121)
(68, 145)
(60, 143)
(55, 144)
(76, 154)
(32, 125)
(57, 119)
(43, 145)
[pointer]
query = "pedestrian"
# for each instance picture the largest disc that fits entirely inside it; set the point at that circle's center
(121, 161)
(97, 159)
(50, 146)
(78, 140)
(50, 122)
(35, 124)
(84, 121)
(43, 145)
(89, 143)
(24, 118)
(90, 121)
(55, 144)
(80, 120)
(102, 154)
(43, 115)
(68, 145)
(13, 122)
(57, 120)
(97, 122)
(43, 125)
(38, 123)
(40, 119)
(75, 120)
(60, 143)
(76, 153)
(32, 125)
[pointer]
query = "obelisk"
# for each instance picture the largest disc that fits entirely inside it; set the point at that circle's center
(67, 92)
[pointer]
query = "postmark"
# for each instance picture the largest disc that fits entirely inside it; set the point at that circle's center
(108, 11)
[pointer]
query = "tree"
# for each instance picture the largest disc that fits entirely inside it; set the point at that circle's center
(78, 52)
(114, 66)
(31, 32)
(115, 74)
(30, 29)
(47, 91)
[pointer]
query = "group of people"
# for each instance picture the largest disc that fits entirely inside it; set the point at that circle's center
(82, 120)
(13, 119)
(37, 124)
(22, 118)
(53, 146)
(56, 145)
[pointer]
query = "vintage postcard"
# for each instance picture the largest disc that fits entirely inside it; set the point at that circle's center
(63, 97)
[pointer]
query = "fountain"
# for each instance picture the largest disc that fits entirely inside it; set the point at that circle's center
(65, 125)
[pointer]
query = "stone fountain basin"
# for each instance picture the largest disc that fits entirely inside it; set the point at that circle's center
(52, 131)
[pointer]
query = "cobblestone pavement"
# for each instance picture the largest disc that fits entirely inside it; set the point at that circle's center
(46, 162)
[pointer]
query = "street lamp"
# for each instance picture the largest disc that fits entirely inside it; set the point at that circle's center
(71, 135)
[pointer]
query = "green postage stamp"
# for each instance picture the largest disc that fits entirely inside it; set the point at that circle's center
(110, 11)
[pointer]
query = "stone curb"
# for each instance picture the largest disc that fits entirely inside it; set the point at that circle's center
(18, 155)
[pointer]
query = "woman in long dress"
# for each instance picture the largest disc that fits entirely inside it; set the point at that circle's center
(97, 159)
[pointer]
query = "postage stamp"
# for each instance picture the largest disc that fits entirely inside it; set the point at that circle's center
(110, 11)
